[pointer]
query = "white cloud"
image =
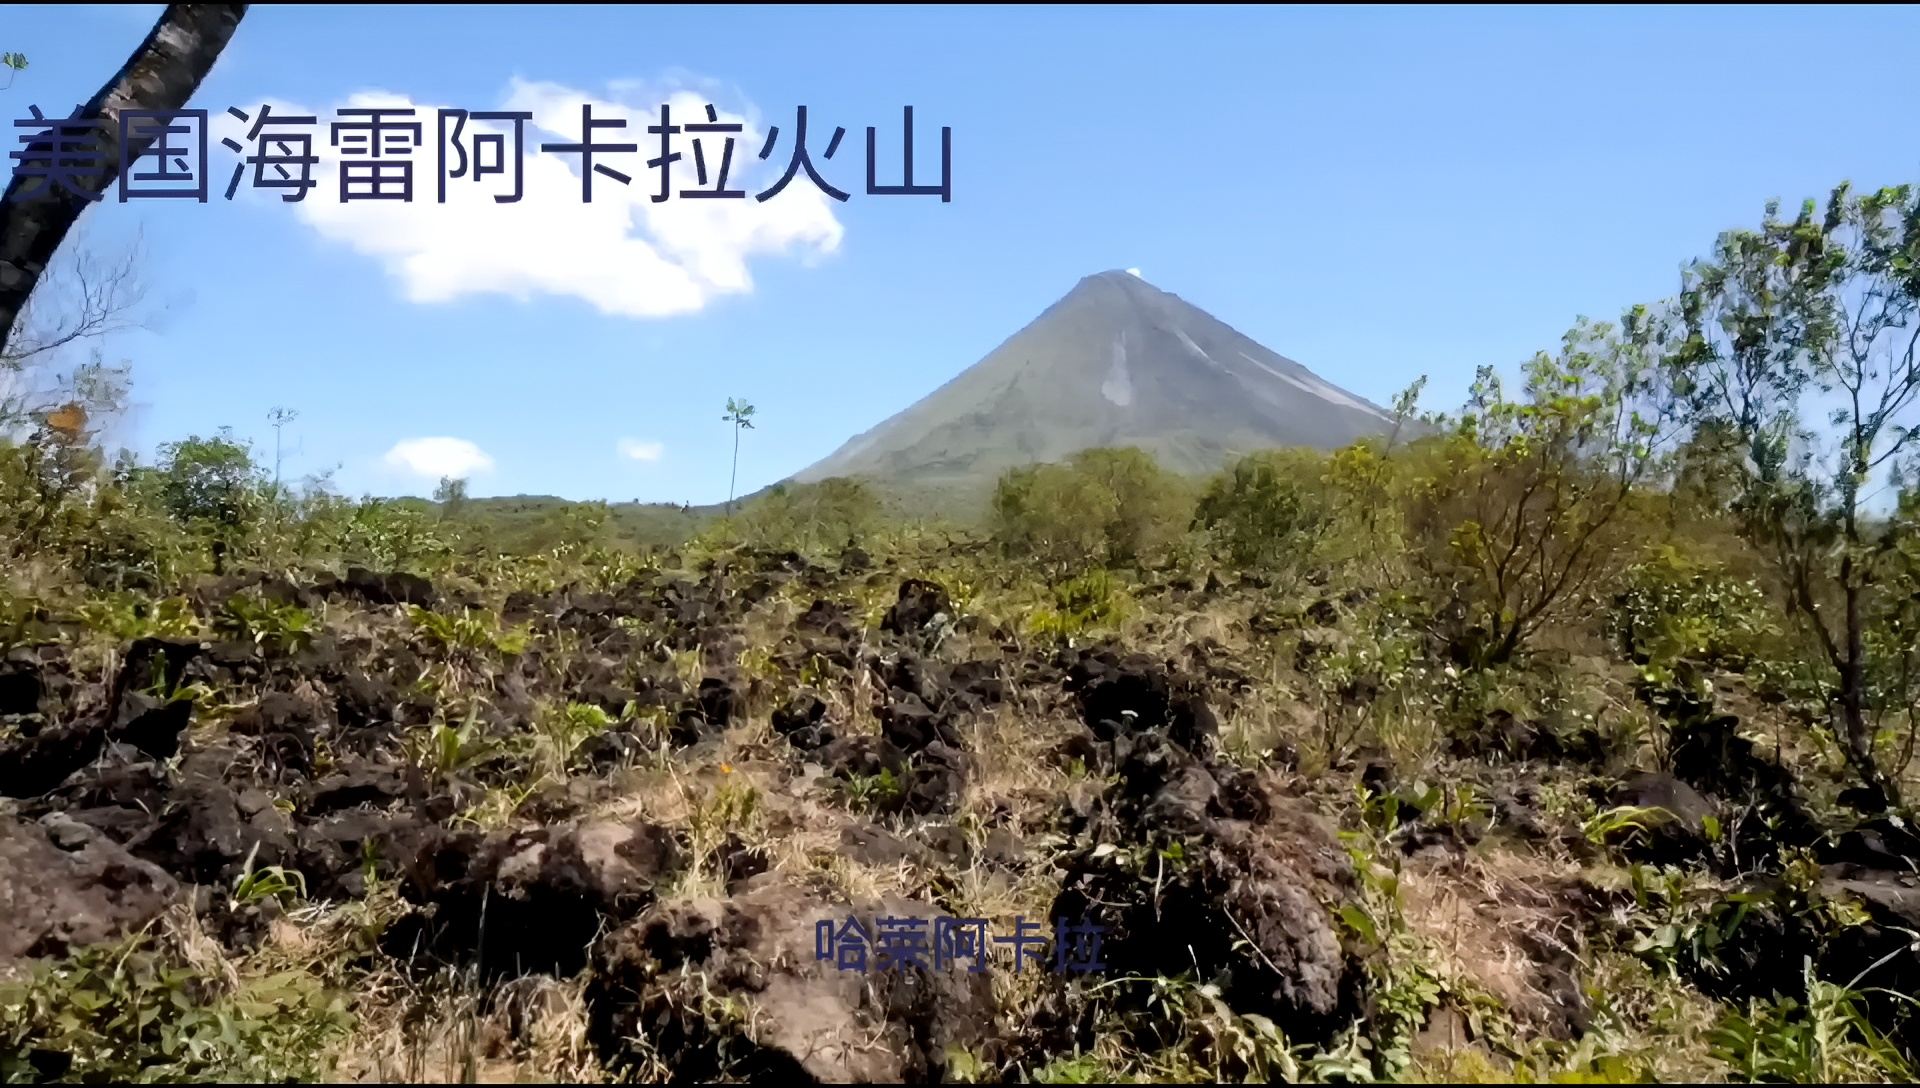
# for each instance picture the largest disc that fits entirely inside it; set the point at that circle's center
(437, 457)
(1134, 272)
(623, 253)
(640, 451)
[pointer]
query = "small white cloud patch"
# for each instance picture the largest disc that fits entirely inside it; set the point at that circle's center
(636, 450)
(433, 458)
(1134, 272)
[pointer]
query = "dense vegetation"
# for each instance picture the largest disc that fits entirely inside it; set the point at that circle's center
(1567, 735)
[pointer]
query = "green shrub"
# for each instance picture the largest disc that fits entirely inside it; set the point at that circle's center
(42, 485)
(127, 616)
(1088, 600)
(470, 630)
(129, 1012)
(1531, 500)
(814, 518)
(264, 622)
(130, 543)
(1051, 517)
(383, 534)
(1111, 508)
(1825, 1039)
(1672, 607)
(1268, 511)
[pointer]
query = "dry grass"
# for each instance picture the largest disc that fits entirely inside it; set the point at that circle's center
(1489, 916)
(1659, 1022)
(1269, 719)
(440, 1029)
(1164, 635)
(1012, 766)
(534, 1034)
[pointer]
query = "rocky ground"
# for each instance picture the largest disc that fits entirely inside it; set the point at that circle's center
(374, 827)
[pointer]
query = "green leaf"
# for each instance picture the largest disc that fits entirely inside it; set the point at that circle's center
(1360, 922)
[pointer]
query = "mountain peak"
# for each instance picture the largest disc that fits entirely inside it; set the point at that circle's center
(1114, 283)
(1115, 362)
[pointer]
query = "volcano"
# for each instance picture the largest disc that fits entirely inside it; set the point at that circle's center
(1116, 362)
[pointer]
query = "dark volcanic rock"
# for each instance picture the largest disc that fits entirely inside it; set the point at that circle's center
(1180, 844)
(534, 900)
(19, 687)
(1133, 694)
(67, 886)
(919, 602)
(872, 845)
(398, 587)
(1681, 835)
(152, 721)
(936, 781)
(203, 835)
(1249, 903)
(33, 765)
(811, 1020)
(911, 726)
(367, 784)
(862, 755)
(803, 722)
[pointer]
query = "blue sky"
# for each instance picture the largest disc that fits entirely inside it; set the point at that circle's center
(1378, 193)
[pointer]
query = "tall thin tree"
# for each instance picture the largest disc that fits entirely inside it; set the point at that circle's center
(740, 414)
(279, 417)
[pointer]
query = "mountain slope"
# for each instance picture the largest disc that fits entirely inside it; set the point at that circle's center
(1116, 362)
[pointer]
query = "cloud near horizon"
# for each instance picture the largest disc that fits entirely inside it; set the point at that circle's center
(635, 450)
(623, 253)
(433, 458)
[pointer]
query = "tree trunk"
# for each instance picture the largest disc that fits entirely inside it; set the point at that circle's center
(733, 477)
(1853, 702)
(1509, 643)
(160, 75)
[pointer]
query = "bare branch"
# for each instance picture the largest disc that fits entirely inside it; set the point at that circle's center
(86, 294)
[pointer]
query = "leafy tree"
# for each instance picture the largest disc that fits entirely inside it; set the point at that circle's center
(1706, 473)
(1363, 481)
(451, 494)
(43, 480)
(1805, 318)
(212, 486)
(740, 414)
(380, 533)
(1893, 639)
(1269, 509)
(811, 517)
(129, 541)
(1148, 507)
(1524, 512)
(36, 378)
(576, 526)
(1051, 516)
(78, 294)
(1104, 507)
